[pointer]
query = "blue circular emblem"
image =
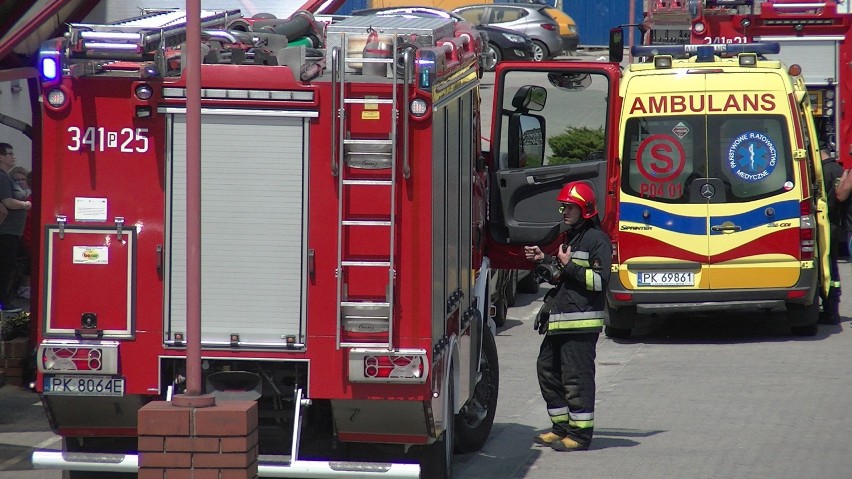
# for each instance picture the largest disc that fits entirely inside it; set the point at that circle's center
(752, 156)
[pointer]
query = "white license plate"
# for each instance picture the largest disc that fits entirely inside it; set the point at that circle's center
(665, 278)
(84, 385)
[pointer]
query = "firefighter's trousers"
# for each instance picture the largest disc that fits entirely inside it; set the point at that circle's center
(831, 302)
(566, 375)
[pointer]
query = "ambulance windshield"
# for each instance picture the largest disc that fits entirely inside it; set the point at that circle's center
(672, 158)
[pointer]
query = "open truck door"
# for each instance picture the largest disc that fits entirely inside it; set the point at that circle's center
(553, 122)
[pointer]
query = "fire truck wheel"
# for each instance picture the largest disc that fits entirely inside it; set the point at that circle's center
(501, 310)
(436, 459)
(512, 288)
(528, 284)
(474, 421)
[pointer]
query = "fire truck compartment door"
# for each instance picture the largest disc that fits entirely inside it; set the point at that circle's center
(90, 281)
(817, 56)
(253, 259)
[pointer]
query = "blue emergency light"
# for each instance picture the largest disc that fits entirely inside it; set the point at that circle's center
(49, 68)
(762, 48)
(50, 59)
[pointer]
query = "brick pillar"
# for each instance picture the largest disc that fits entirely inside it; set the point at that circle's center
(217, 442)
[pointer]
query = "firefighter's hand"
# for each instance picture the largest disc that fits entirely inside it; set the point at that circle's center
(564, 255)
(533, 253)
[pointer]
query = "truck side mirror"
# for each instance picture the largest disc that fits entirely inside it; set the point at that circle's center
(616, 45)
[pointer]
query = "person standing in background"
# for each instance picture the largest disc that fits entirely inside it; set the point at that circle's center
(13, 197)
(21, 283)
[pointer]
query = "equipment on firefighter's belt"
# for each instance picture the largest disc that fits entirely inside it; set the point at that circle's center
(543, 315)
(549, 271)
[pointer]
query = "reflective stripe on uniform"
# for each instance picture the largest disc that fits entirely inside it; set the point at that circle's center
(581, 420)
(593, 280)
(834, 284)
(570, 321)
(558, 415)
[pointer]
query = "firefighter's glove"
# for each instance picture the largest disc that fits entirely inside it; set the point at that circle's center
(543, 315)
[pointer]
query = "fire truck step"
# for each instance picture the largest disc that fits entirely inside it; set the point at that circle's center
(351, 141)
(368, 182)
(366, 263)
(366, 223)
(362, 101)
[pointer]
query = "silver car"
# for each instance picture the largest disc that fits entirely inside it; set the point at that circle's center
(531, 19)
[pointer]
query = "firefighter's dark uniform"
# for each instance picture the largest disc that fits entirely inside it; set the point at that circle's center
(566, 361)
(831, 173)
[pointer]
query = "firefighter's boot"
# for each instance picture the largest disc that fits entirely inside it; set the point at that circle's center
(547, 438)
(567, 444)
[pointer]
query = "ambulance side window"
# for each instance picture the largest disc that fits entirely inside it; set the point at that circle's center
(662, 155)
(752, 154)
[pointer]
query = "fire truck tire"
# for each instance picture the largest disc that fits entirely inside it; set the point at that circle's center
(512, 288)
(474, 421)
(501, 307)
(528, 284)
(436, 459)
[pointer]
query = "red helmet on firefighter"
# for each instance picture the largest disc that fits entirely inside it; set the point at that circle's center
(582, 195)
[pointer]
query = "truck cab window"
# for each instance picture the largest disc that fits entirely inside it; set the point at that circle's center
(569, 127)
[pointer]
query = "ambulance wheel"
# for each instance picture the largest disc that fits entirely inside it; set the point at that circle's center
(619, 323)
(617, 333)
(804, 317)
(474, 421)
(436, 459)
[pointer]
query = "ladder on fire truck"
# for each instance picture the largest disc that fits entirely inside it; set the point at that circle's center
(367, 164)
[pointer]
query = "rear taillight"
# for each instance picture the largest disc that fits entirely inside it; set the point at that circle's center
(615, 252)
(806, 231)
(78, 357)
(403, 366)
(548, 26)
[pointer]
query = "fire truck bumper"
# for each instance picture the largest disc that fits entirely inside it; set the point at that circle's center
(129, 463)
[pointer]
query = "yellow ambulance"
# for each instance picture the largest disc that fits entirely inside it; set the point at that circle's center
(721, 205)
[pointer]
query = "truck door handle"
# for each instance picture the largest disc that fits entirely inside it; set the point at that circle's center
(726, 228)
(536, 179)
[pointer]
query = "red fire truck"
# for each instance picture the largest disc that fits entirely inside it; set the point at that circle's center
(349, 218)
(813, 35)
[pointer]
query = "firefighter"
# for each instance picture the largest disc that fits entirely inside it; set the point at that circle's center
(571, 319)
(832, 174)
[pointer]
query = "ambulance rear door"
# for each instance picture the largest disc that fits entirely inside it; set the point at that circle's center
(662, 232)
(753, 193)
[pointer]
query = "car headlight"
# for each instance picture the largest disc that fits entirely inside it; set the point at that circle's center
(514, 38)
(572, 28)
